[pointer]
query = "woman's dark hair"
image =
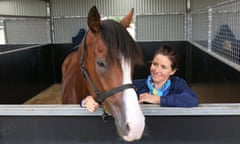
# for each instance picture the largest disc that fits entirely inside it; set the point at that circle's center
(171, 53)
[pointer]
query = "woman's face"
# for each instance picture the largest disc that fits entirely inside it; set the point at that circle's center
(161, 68)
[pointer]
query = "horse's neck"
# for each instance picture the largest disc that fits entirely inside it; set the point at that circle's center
(74, 88)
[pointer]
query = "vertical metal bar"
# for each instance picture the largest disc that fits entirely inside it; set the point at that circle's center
(189, 27)
(188, 5)
(186, 19)
(209, 29)
(5, 32)
(51, 22)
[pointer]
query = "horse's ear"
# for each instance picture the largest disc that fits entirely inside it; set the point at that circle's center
(127, 19)
(94, 20)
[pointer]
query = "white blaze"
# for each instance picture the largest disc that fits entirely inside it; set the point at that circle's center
(134, 116)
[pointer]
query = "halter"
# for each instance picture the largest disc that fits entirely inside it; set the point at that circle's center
(100, 97)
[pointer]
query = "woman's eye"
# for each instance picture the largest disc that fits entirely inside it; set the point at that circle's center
(164, 67)
(155, 64)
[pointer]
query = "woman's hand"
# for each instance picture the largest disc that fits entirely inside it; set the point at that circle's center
(148, 98)
(90, 103)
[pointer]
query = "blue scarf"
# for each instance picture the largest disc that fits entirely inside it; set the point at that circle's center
(158, 92)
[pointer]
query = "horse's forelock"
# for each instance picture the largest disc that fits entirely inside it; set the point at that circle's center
(119, 42)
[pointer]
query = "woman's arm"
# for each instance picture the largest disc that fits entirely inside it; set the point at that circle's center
(180, 95)
(148, 98)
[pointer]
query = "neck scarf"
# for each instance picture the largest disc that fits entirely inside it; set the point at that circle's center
(163, 91)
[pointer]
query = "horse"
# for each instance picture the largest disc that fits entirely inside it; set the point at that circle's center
(103, 66)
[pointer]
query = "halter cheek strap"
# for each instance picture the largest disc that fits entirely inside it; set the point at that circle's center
(100, 97)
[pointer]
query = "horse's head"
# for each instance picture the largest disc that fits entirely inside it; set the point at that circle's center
(109, 56)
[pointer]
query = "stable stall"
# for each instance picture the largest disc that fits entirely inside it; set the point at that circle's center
(36, 36)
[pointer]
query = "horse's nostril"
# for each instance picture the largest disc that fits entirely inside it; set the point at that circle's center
(126, 129)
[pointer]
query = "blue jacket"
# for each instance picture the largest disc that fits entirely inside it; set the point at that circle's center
(179, 95)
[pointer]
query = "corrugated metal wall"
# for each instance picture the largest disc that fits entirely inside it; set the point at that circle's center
(30, 31)
(201, 4)
(162, 20)
(159, 6)
(81, 7)
(155, 19)
(25, 21)
(70, 16)
(66, 28)
(23, 7)
(167, 27)
(199, 29)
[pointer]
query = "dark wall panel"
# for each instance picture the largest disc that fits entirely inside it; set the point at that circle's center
(85, 129)
(25, 73)
(61, 51)
(213, 80)
(148, 48)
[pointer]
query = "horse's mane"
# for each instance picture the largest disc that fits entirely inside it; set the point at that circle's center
(119, 41)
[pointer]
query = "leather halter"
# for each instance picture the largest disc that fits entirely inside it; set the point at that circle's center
(100, 97)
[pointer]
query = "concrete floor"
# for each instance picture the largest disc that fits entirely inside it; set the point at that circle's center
(217, 93)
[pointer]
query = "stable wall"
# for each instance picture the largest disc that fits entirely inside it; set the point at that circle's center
(91, 129)
(71, 124)
(213, 80)
(26, 72)
(148, 49)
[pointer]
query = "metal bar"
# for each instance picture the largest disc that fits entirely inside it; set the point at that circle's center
(148, 110)
(25, 17)
(21, 49)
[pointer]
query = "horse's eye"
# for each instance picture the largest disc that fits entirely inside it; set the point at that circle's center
(101, 64)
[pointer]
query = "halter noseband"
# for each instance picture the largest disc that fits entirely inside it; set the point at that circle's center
(100, 97)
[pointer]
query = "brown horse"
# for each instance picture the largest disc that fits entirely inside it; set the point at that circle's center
(103, 66)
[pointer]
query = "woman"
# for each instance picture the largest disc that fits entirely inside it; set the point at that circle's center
(161, 87)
